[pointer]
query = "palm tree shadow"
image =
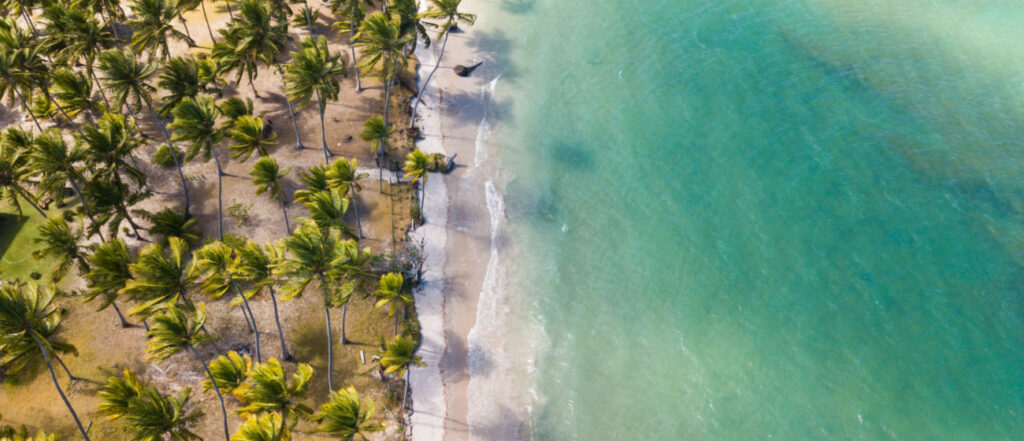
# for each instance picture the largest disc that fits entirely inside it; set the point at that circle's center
(495, 49)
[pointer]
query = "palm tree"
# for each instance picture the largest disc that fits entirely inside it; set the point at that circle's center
(383, 44)
(448, 11)
(183, 78)
(51, 158)
(195, 122)
(376, 132)
(343, 174)
(15, 79)
(168, 223)
(392, 293)
(254, 265)
(314, 180)
(55, 239)
(417, 167)
(14, 172)
(153, 27)
(150, 415)
(73, 91)
(267, 175)
(398, 357)
(109, 147)
(108, 273)
(230, 372)
(160, 278)
(250, 40)
(248, 136)
(113, 200)
(81, 38)
(214, 261)
(28, 318)
(345, 415)
(270, 391)
(266, 427)
(126, 77)
(327, 210)
(351, 13)
(316, 256)
(314, 69)
(174, 331)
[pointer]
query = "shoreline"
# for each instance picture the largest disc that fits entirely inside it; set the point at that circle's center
(458, 234)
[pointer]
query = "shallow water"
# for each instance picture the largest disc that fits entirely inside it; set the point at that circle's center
(746, 219)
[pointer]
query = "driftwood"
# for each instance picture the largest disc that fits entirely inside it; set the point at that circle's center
(464, 71)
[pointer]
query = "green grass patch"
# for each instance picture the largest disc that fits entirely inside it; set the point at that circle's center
(16, 233)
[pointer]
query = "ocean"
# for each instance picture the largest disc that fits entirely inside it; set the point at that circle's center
(762, 219)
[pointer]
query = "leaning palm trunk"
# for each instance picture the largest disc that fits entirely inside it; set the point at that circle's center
(352, 36)
(330, 342)
(174, 153)
(85, 206)
(220, 189)
(284, 211)
(344, 314)
(380, 153)
(120, 316)
(24, 104)
(202, 4)
(323, 130)
(291, 110)
(223, 410)
(416, 105)
(405, 389)
(285, 355)
(185, 25)
(355, 204)
(53, 377)
(255, 330)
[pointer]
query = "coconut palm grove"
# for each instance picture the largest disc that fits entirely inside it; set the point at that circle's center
(205, 217)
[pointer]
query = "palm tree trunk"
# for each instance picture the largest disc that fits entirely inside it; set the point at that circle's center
(285, 355)
(323, 131)
(220, 199)
(383, 145)
(131, 222)
(60, 391)
(284, 211)
(185, 25)
(330, 347)
(405, 389)
(202, 4)
(255, 330)
(355, 203)
(174, 154)
(85, 207)
(28, 19)
(92, 75)
(291, 110)
(34, 205)
(309, 18)
(71, 376)
(223, 410)
(25, 104)
(396, 323)
(416, 105)
(231, 13)
(344, 313)
(120, 316)
(351, 36)
(62, 112)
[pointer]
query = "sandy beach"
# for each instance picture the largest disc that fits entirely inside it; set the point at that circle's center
(453, 394)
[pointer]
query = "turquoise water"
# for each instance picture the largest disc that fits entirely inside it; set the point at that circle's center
(755, 220)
